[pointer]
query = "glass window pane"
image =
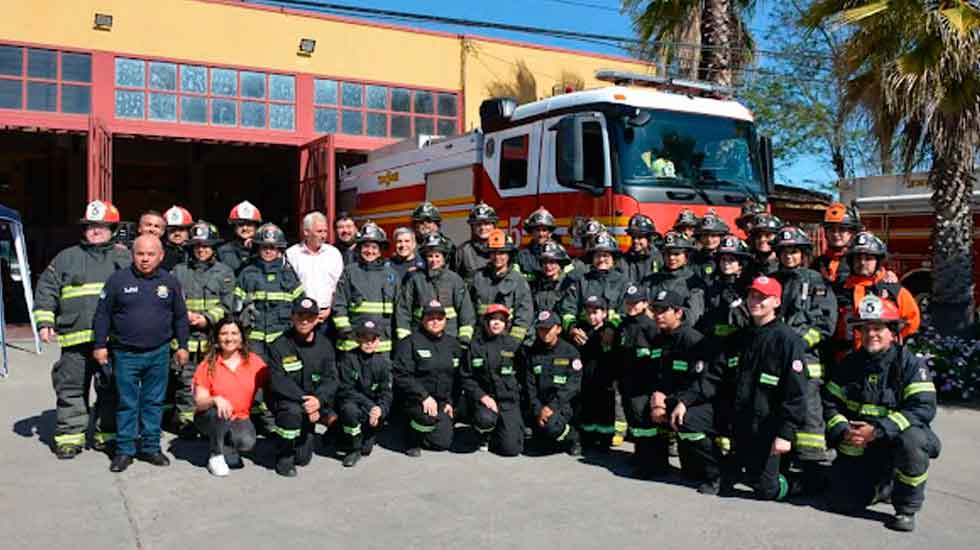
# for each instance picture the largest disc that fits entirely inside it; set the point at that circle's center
(325, 92)
(447, 127)
(377, 124)
(42, 64)
(76, 99)
(193, 109)
(253, 114)
(424, 126)
(253, 85)
(325, 120)
(10, 94)
(447, 104)
(423, 102)
(163, 76)
(42, 96)
(352, 123)
(282, 87)
(223, 112)
(76, 67)
(129, 104)
(401, 101)
(130, 72)
(163, 107)
(282, 117)
(401, 126)
(353, 95)
(377, 97)
(193, 79)
(224, 82)
(11, 61)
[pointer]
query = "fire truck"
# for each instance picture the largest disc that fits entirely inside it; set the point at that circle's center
(642, 144)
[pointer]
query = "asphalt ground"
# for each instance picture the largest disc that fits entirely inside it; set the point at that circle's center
(463, 499)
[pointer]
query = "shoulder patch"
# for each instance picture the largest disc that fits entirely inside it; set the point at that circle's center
(576, 364)
(797, 366)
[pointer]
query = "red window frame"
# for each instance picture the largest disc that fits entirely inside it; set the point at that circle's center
(339, 108)
(59, 82)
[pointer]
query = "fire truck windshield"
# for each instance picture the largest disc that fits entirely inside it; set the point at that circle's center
(675, 149)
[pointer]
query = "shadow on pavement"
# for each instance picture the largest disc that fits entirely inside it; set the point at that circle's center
(195, 452)
(41, 425)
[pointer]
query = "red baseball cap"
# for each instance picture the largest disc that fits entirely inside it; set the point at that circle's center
(768, 286)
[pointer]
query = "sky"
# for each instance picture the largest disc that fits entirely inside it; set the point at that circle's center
(590, 16)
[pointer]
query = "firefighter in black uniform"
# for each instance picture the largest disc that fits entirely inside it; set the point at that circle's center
(474, 254)
(637, 332)
(498, 283)
(643, 257)
(489, 378)
(878, 404)
(179, 222)
(540, 225)
(426, 219)
(425, 370)
(365, 392)
(302, 387)
(760, 242)
(746, 218)
(549, 288)
(725, 310)
(245, 220)
(552, 380)
(686, 223)
(840, 224)
(709, 234)
(678, 276)
(583, 232)
(601, 279)
(596, 414)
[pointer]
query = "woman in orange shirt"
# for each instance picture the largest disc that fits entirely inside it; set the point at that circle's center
(224, 388)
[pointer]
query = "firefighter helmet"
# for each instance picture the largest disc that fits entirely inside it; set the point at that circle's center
(178, 216)
(435, 242)
(640, 225)
(555, 252)
(791, 236)
(872, 309)
(540, 218)
(767, 223)
(244, 213)
(100, 213)
(730, 244)
(750, 209)
(712, 224)
(204, 233)
(426, 212)
(371, 233)
(482, 213)
(868, 243)
(678, 241)
(585, 229)
(604, 242)
(269, 234)
(840, 214)
(686, 219)
(500, 241)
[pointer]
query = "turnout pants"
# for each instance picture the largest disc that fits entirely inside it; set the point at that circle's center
(597, 406)
(71, 377)
(433, 432)
(859, 477)
(763, 471)
(558, 428)
(504, 428)
(810, 444)
(222, 432)
(357, 430)
(699, 457)
(294, 432)
(181, 380)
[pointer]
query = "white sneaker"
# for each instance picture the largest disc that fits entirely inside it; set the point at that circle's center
(217, 466)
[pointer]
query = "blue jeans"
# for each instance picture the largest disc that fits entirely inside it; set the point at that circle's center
(141, 378)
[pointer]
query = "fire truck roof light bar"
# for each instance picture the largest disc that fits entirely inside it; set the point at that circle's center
(681, 85)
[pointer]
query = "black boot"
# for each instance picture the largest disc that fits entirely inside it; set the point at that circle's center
(286, 458)
(573, 443)
(351, 458)
(414, 441)
(367, 445)
(902, 522)
(67, 452)
(304, 448)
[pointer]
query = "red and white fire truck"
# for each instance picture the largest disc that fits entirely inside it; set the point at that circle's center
(644, 144)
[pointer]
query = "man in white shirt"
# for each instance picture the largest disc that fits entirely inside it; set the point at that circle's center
(318, 264)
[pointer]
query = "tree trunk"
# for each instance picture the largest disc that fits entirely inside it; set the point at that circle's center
(716, 42)
(951, 179)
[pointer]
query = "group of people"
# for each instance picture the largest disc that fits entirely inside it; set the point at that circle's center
(757, 362)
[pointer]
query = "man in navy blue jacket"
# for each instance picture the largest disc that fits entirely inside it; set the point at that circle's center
(140, 310)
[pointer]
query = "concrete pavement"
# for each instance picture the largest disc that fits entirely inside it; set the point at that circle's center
(444, 500)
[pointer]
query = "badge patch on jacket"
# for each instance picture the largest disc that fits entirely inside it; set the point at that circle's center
(560, 362)
(163, 292)
(270, 277)
(424, 353)
(477, 362)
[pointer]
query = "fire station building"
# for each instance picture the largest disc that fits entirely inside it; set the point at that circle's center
(205, 103)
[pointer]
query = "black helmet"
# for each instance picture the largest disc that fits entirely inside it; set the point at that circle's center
(204, 233)
(540, 218)
(730, 244)
(604, 242)
(554, 251)
(500, 241)
(481, 213)
(791, 236)
(371, 233)
(712, 224)
(426, 212)
(839, 214)
(640, 225)
(750, 209)
(767, 222)
(435, 241)
(585, 229)
(686, 219)
(867, 242)
(269, 234)
(678, 241)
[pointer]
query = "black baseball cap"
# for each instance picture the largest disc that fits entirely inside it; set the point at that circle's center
(305, 305)
(635, 294)
(596, 302)
(433, 307)
(667, 298)
(547, 319)
(367, 328)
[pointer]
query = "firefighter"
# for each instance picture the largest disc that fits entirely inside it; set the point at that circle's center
(725, 311)
(810, 310)
(266, 288)
(490, 380)
(601, 279)
(64, 306)
(686, 223)
(425, 368)
(435, 282)
(709, 234)
(498, 283)
(583, 232)
(244, 219)
(865, 258)
(760, 242)
(302, 386)
(643, 257)
(179, 222)
(209, 292)
(552, 380)
(548, 289)
(840, 223)
(365, 393)
(473, 255)
(540, 225)
(878, 404)
(746, 218)
(427, 219)
(678, 276)
(596, 414)
(637, 332)
(367, 290)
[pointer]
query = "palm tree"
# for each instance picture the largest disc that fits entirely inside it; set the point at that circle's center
(928, 55)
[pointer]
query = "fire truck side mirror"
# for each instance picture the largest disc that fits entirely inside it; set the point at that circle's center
(768, 171)
(570, 155)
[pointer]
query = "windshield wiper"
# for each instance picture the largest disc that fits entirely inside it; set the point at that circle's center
(740, 185)
(685, 182)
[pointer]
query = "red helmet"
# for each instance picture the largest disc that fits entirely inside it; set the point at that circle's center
(100, 212)
(178, 216)
(244, 212)
(497, 308)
